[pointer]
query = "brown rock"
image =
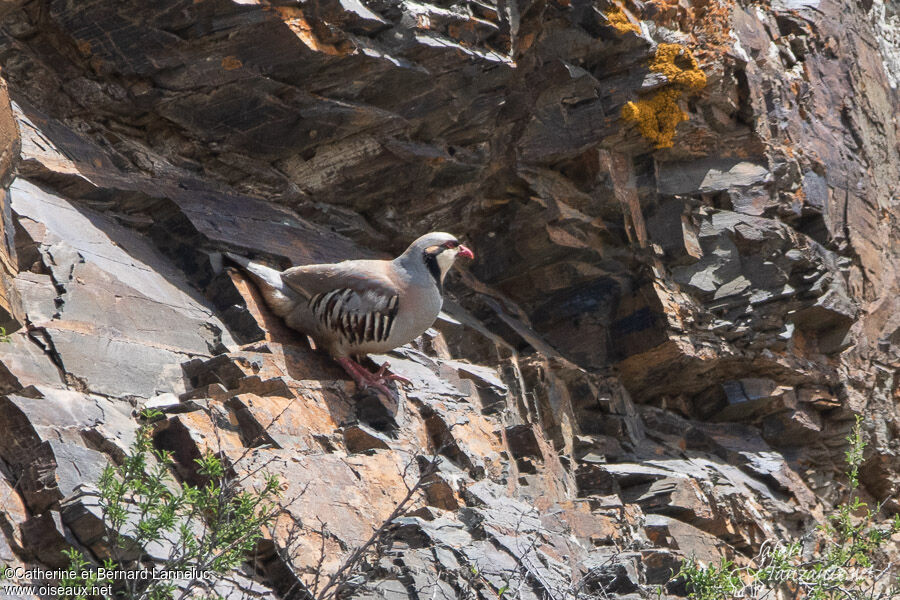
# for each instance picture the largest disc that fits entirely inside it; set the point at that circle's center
(647, 334)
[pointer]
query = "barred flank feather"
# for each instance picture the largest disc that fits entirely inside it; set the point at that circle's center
(333, 310)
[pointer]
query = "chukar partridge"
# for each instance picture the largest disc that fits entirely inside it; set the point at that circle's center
(356, 307)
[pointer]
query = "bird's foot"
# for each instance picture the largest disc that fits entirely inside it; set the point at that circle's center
(366, 379)
(385, 374)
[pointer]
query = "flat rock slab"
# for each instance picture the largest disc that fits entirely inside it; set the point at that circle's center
(47, 443)
(710, 175)
(122, 308)
(23, 362)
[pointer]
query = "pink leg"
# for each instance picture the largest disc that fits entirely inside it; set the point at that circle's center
(363, 377)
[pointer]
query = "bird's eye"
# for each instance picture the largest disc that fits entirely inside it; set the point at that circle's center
(451, 244)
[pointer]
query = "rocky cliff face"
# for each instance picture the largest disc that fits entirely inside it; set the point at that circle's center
(685, 218)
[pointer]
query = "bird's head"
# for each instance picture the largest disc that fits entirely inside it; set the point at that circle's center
(439, 251)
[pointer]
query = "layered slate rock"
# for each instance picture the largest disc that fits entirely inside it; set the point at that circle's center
(685, 288)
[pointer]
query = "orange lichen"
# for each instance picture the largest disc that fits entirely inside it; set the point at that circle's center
(713, 26)
(84, 47)
(657, 116)
(708, 22)
(304, 29)
(619, 21)
(230, 63)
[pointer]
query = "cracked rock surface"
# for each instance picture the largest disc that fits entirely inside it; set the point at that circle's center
(658, 352)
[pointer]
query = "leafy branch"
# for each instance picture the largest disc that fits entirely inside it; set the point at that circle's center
(209, 529)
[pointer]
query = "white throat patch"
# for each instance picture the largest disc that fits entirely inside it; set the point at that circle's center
(445, 260)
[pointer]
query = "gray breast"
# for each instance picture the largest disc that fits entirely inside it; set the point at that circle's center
(423, 306)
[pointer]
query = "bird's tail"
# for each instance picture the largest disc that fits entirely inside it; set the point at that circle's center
(268, 280)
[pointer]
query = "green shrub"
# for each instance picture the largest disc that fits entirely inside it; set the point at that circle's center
(849, 566)
(209, 529)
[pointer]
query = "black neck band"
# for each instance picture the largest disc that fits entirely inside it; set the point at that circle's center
(433, 268)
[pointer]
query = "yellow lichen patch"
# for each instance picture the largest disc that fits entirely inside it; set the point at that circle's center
(679, 66)
(657, 116)
(617, 18)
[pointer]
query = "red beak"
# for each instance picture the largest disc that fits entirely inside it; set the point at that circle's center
(463, 251)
